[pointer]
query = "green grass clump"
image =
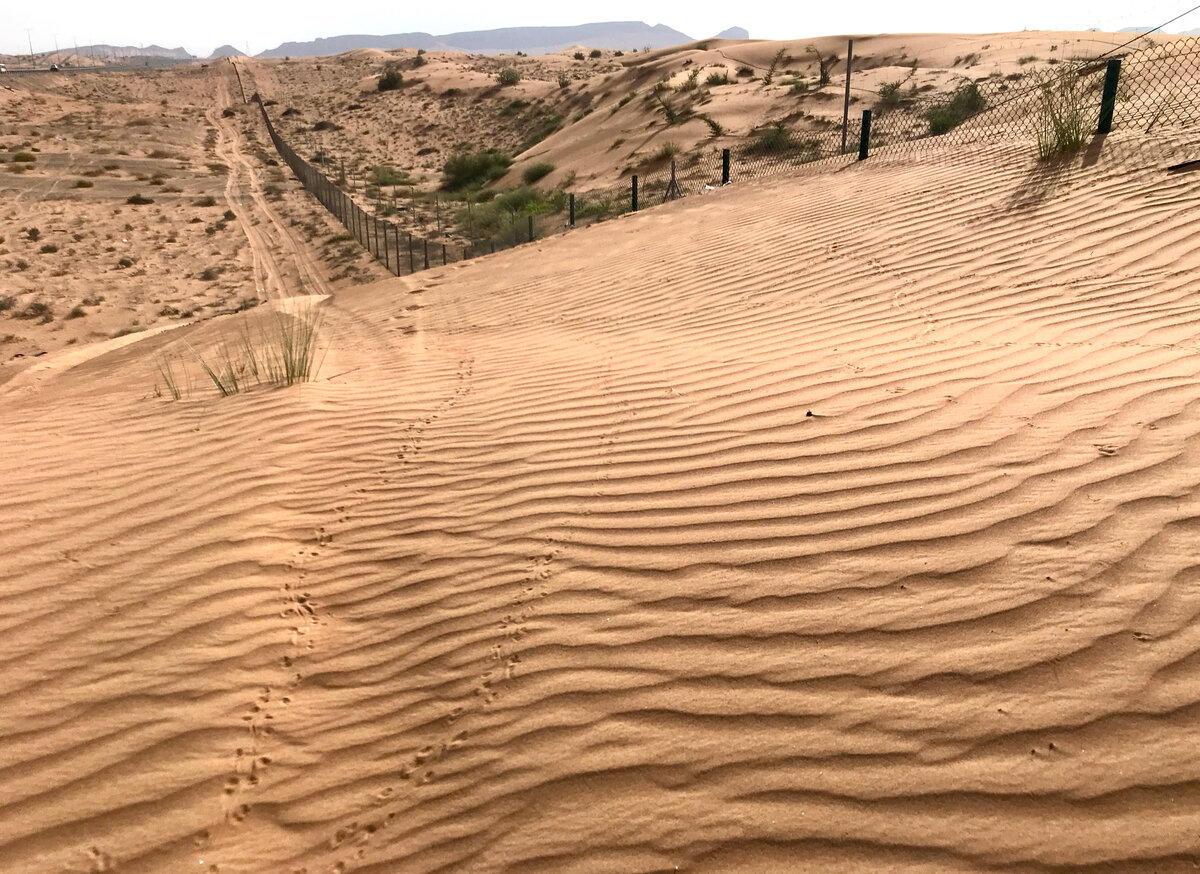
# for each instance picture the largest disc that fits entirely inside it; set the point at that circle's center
(1061, 123)
(536, 172)
(965, 102)
(465, 170)
(715, 79)
(279, 351)
(508, 76)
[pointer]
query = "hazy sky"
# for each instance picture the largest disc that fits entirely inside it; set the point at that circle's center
(202, 26)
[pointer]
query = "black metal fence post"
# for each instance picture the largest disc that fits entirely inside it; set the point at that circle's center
(1108, 101)
(635, 194)
(443, 254)
(426, 254)
(724, 166)
(572, 202)
(387, 258)
(412, 263)
(864, 139)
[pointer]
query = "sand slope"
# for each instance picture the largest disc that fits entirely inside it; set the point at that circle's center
(553, 571)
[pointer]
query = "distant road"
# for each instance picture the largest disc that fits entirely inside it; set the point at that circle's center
(112, 68)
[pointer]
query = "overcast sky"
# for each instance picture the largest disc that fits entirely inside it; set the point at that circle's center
(202, 26)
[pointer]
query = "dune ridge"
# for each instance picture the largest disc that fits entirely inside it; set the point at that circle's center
(553, 571)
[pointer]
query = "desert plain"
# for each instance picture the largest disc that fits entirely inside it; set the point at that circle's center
(841, 520)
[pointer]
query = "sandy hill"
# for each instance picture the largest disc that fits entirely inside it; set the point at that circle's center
(842, 522)
(595, 121)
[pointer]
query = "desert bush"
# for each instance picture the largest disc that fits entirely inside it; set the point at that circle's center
(513, 107)
(7, 302)
(420, 60)
(391, 78)
(465, 170)
(595, 53)
(1062, 119)
(889, 94)
(124, 263)
(384, 174)
(536, 172)
(228, 112)
(37, 309)
(579, 56)
(84, 183)
(211, 274)
(138, 200)
(780, 58)
(564, 81)
(205, 201)
(744, 71)
(77, 312)
(771, 139)
(665, 152)
(24, 158)
(230, 215)
(965, 102)
(508, 76)
(48, 249)
(325, 124)
(715, 79)
(33, 235)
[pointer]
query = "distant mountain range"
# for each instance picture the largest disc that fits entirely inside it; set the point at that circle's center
(1193, 32)
(107, 51)
(506, 40)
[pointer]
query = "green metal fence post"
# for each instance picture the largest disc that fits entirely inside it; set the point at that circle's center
(1108, 101)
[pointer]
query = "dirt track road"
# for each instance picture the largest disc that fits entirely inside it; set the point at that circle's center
(283, 267)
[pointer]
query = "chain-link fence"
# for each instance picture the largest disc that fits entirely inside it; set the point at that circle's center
(1141, 85)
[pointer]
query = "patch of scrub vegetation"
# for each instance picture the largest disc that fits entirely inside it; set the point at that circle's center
(473, 170)
(965, 102)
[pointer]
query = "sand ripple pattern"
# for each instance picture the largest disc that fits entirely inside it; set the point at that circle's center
(558, 573)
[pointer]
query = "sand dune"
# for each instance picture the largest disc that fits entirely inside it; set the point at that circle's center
(843, 522)
(552, 571)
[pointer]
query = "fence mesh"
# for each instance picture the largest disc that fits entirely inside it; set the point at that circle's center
(1158, 86)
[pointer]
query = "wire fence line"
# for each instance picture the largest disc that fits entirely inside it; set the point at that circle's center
(1150, 87)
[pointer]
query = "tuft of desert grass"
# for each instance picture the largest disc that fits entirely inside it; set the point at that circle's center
(280, 350)
(1061, 120)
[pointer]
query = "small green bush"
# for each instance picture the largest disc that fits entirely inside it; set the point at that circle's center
(392, 78)
(465, 170)
(715, 79)
(536, 172)
(964, 103)
(508, 76)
